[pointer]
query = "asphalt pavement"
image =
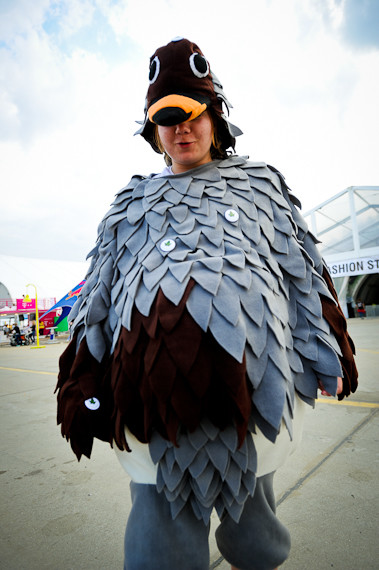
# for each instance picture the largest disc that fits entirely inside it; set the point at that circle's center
(59, 514)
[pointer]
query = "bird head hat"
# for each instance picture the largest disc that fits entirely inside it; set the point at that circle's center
(181, 87)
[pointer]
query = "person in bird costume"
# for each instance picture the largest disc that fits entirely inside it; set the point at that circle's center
(207, 322)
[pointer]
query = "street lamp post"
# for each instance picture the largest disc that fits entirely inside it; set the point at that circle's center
(37, 323)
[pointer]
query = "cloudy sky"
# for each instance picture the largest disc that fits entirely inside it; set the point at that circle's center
(302, 75)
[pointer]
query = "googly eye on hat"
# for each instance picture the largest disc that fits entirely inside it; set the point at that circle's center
(181, 87)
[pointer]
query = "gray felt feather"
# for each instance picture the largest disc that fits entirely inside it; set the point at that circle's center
(257, 272)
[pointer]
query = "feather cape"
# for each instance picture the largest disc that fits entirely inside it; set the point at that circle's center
(206, 306)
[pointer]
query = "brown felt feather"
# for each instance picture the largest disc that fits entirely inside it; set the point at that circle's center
(81, 377)
(186, 376)
(334, 316)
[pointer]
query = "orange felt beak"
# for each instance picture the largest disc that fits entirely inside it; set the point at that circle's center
(175, 109)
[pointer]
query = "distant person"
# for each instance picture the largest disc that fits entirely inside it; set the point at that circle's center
(41, 328)
(207, 322)
(350, 308)
(33, 331)
(17, 334)
(361, 309)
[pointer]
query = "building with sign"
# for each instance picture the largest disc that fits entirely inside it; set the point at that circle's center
(347, 225)
(53, 279)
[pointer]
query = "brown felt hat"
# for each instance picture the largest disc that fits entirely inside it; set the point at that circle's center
(181, 87)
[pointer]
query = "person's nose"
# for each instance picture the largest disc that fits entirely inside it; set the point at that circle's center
(182, 128)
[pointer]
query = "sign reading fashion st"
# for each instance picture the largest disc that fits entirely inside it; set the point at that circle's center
(354, 266)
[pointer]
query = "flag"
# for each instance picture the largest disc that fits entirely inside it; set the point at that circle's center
(66, 303)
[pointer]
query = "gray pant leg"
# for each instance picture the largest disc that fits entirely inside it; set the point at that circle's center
(259, 541)
(153, 541)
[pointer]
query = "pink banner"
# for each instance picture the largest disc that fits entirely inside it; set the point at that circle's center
(23, 305)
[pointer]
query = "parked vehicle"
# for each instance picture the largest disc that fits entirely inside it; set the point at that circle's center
(20, 340)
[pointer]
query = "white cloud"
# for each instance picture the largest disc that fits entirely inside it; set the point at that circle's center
(305, 100)
(19, 16)
(35, 87)
(73, 16)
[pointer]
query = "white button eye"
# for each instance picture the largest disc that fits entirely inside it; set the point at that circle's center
(92, 404)
(199, 65)
(232, 215)
(167, 245)
(155, 67)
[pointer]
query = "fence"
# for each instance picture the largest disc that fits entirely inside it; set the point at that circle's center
(9, 305)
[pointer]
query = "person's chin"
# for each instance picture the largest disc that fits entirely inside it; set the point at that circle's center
(185, 158)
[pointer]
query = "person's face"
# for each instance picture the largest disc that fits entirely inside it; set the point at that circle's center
(188, 144)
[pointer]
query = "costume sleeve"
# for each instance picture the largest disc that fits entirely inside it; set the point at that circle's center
(331, 309)
(81, 389)
(333, 314)
(85, 400)
(84, 403)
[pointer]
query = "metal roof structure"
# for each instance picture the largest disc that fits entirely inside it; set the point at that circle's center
(347, 226)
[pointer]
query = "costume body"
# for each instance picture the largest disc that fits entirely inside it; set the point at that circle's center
(201, 320)
(205, 325)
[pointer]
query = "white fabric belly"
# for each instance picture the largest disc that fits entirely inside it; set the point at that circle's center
(140, 467)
